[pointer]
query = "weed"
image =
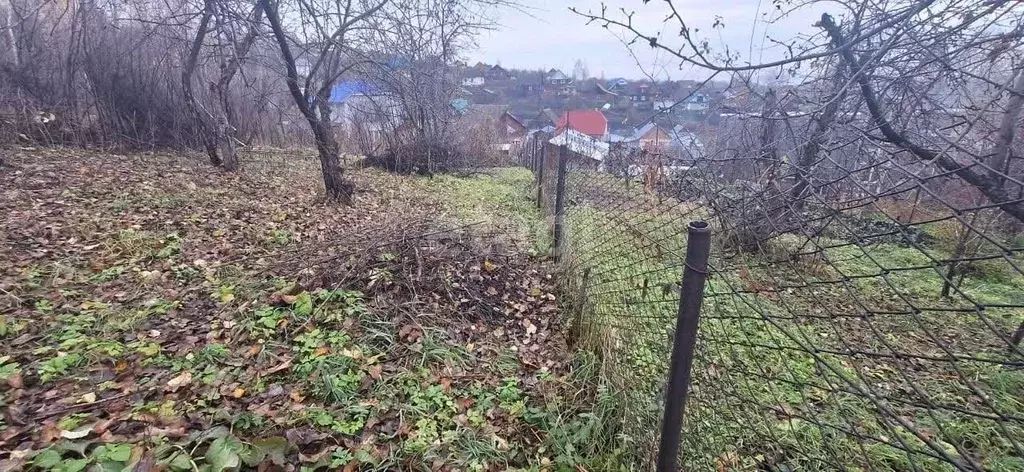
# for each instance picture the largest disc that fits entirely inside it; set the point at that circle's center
(8, 368)
(58, 366)
(281, 237)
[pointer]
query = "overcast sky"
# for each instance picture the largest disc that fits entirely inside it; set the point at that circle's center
(549, 35)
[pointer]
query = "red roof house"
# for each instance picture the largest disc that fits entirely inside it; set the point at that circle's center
(589, 122)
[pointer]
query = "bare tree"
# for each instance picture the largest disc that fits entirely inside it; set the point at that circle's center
(128, 74)
(233, 36)
(324, 41)
(204, 122)
(416, 44)
(911, 65)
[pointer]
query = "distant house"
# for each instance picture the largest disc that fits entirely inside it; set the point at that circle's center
(697, 102)
(494, 123)
(363, 111)
(640, 92)
(484, 95)
(604, 90)
(528, 88)
(473, 80)
(685, 144)
(583, 149)
(567, 90)
(460, 106)
(557, 77)
(546, 117)
(616, 84)
(529, 83)
(497, 73)
(651, 137)
(592, 123)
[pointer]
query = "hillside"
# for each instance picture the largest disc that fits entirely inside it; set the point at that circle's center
(162, 316)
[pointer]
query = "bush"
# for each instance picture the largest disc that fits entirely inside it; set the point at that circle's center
(419, 158)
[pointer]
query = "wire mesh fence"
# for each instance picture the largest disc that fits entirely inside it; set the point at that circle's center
(868, 318)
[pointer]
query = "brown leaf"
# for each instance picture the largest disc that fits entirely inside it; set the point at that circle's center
(304, 436)
(146, 463)
(375, 371)
(181, 380)
(283, 366)
(253, 350)
(15, 381)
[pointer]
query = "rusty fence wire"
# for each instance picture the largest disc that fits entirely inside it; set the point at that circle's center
(868, 318)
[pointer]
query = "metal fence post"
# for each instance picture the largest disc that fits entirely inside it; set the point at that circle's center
(540, 177)
(698, 245)
(563, 158)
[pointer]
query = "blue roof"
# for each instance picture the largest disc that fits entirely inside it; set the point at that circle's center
(461, 105)
(342, 91)
(616, 82)
(641, 131)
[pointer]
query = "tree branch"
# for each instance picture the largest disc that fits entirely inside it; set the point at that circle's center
(988, 181)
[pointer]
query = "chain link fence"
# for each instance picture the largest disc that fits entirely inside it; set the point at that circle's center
(868, 318)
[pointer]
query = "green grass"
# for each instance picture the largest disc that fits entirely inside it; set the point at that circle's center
(182, 315)
(503, 201)
(774, 382)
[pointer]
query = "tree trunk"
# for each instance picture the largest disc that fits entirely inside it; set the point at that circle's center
(209, 141)
(769, 148)
(808, 153)
(338, 189)
(227, 131)
(989, 182)
(958, 253)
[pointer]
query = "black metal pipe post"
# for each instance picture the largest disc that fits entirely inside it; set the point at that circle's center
(540, 177)
(563, 158)
(533, 156)
(698, 245)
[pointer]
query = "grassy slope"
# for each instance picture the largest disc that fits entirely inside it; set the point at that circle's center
(759, 398)
(143, 321)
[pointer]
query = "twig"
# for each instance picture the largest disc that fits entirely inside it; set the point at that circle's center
(86, 406)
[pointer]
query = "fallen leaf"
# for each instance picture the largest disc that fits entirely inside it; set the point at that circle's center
(253, 350)
(375, 371)
(223, 453)
(15, 381)
(283, 366)
(238, 393)
(501, 444)
(181, 380)
(77, 433)
(89, 397)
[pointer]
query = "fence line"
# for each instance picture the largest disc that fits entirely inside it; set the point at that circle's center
(857, 327)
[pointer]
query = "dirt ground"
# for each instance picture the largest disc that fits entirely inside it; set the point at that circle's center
(158, 314)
